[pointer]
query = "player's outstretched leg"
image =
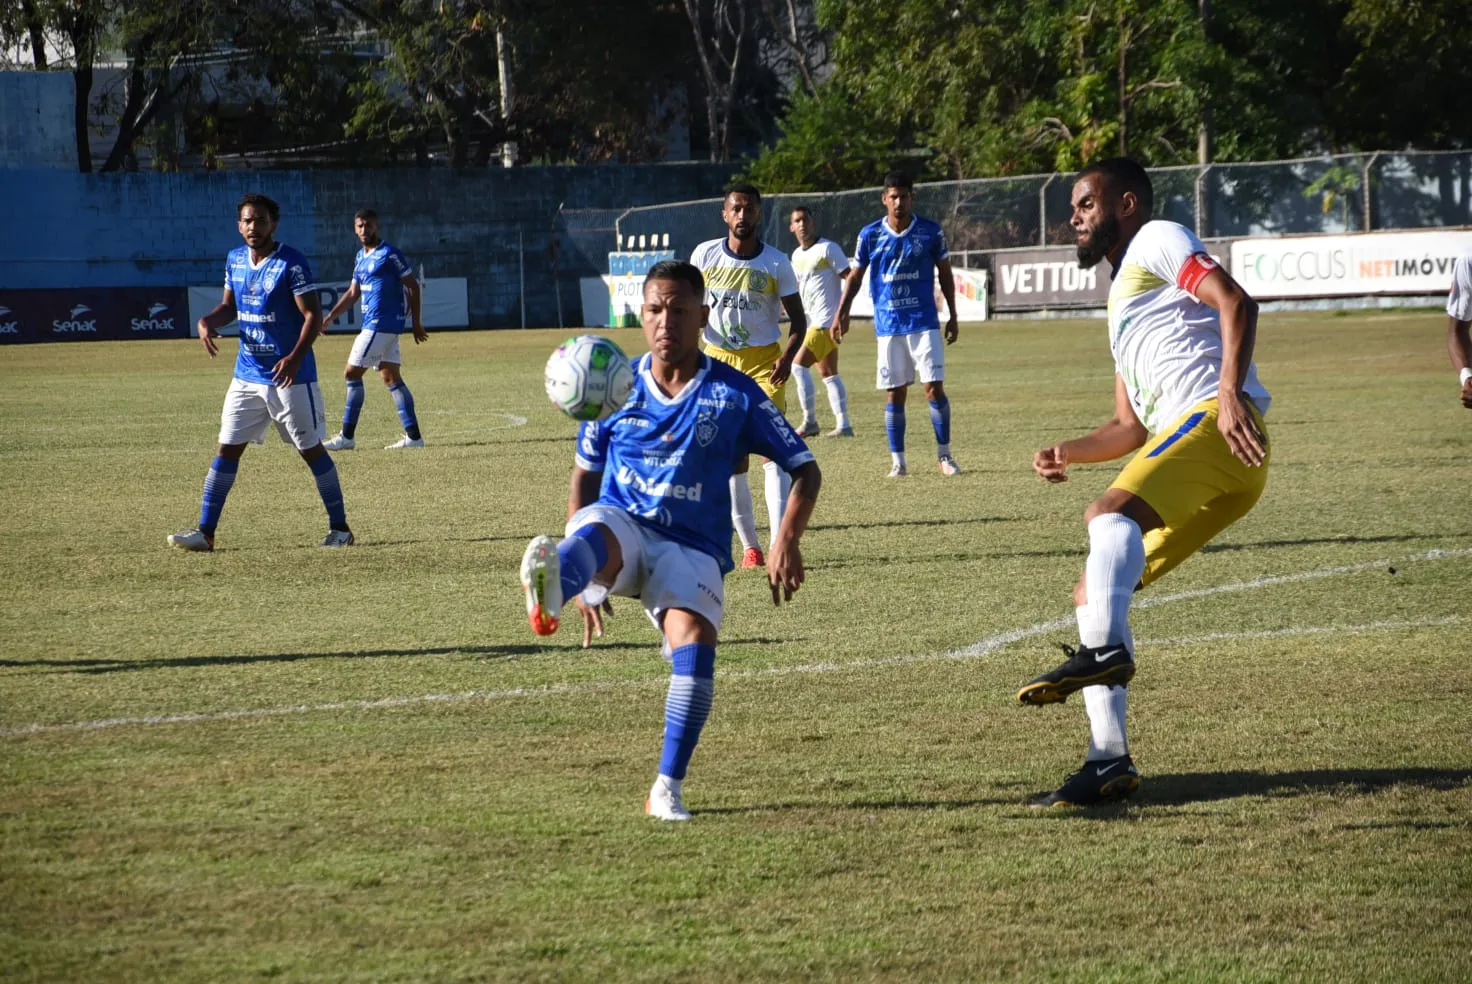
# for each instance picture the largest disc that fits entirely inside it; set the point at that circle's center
(807, 399)
(404, 401)
(687, 705)
(217, 485)
(553, 572)
(350, 412)
(838, 400)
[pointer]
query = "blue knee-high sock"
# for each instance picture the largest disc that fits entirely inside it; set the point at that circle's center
(352, 408)
(216, 487)
(404, 400)
(581, 556)
(940, 419)
(692, 685)
(330, 489)
(894, 425)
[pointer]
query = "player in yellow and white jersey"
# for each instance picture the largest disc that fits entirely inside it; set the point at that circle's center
(1459, 320)
(821, 269)
(1186, 395)
(748, 284)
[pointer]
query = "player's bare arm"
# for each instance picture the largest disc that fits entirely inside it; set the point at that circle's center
(1459, 347)
(209, 326)
(583, 491)
(310, 305)
(415, 295)
(1115, 438)
(348, 298)
(851, 283)
(948, 291)
(785, 571)
(1238, 319)
(792, 304)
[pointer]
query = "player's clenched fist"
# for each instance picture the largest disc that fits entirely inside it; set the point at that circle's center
(1051, 463)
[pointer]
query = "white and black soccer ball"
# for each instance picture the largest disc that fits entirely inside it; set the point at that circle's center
(589, 377)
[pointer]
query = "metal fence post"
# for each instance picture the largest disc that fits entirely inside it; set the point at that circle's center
(1369, 221)
(1043, 210)
(1201, 223)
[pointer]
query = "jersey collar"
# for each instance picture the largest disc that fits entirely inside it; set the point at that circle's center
(657, 394)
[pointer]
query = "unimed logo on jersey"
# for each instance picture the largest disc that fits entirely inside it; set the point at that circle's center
(76, 324)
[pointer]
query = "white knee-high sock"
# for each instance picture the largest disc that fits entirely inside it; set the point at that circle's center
(1106, 707)
(743, 511)
(1115, 565)
(838, 399)
(807, 397)
(779, 483)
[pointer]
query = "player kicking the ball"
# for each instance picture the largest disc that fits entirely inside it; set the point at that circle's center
(1187, 400)
(649, 510)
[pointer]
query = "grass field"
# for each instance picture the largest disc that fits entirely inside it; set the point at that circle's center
(281, 762)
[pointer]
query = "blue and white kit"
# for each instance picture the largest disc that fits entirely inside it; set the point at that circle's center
(379, 273)
(902, 268)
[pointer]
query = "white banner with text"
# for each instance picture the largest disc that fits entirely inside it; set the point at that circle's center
(1336, 266)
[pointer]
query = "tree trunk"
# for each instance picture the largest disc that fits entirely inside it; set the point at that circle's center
(34, 28)
(1123, 72)
(82, 76)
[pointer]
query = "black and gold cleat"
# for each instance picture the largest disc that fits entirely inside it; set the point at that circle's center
(1097, 782)
(1109, 666)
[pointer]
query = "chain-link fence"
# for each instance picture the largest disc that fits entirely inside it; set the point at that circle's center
(1333, 194)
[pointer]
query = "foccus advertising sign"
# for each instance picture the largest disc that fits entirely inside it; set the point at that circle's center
(1337, 266)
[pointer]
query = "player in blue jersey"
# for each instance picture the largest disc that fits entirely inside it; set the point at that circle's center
(391, 304)
(904, 253)
(270, 291)
(649, 512)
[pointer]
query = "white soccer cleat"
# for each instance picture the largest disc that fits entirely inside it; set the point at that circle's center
(898, 471)
(195, 540)
(338, 538)
(405, 442)
(948, 466)
(339, 443)
(541, 576)
(664, 801)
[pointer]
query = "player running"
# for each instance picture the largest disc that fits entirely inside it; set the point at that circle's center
(1186, 395)
(821, 268)
(648, 511)
(748, 284)
(269, 289)
(906, 251)
(1459, 320)
(383, 278)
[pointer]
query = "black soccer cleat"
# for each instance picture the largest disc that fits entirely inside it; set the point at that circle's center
(1109, 666)
(1097, 782)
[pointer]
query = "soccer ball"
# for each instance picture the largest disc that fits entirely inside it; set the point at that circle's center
(589, 377)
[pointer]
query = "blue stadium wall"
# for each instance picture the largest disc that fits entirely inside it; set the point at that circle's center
(70, 230)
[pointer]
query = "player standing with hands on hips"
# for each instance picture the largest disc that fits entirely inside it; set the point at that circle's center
(1186, 395)
(649, 515)
(269, 289)
(383, 277)
(905, 253)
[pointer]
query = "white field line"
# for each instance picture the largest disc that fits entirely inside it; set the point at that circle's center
(984, 647)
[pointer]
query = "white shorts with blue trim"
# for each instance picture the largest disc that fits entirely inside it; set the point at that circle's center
(250, 408)
(372, 347)
(903, 358)
(660, 572)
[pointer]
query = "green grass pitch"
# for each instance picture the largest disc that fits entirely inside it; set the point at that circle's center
(282, 762)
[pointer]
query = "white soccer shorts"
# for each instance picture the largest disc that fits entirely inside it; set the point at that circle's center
(904, 357)
(372, 347)
(297, 411)
(660, 572)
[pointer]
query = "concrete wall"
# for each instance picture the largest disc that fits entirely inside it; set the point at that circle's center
(36, 110)
(65, 229)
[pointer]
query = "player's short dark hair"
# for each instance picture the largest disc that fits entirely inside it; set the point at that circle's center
(1123, 174)
(745, 188)
(899, 179)
(803, 209)
(258, 200)
(365, 213)
(681, 270)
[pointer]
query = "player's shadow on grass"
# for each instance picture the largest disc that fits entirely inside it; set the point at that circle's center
(1320, 540)
(1180, 789)
(859, 806)
(895, 523)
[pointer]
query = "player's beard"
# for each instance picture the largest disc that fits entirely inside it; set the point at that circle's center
(1100, 243)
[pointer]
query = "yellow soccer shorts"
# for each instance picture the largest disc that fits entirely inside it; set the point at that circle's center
(758, 363)
(1194, 482)
(819, 342)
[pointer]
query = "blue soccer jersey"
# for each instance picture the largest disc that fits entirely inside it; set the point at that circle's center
(265, 307)
(668, 461)
(902, 274)
(380, 272)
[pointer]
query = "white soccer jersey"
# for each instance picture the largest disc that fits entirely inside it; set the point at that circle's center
(1167, 343)
(744, 294)
(1459, 302)
(819, 282)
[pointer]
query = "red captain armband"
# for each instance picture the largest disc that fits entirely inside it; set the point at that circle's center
(1196, 269)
